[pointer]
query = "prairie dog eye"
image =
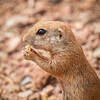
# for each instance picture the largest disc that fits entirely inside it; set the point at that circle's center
(41, 32)
(60, 35)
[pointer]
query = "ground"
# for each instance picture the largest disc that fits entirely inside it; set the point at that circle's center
(24, 80)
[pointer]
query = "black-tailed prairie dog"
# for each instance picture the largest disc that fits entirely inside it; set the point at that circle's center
(52, 45)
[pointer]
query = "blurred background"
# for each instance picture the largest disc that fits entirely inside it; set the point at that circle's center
(24, 80)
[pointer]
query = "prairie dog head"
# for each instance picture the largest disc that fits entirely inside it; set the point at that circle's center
(52, 45)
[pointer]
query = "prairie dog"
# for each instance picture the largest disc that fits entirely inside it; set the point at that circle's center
(53, 46)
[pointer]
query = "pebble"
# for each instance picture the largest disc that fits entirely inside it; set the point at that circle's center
(83, 35)
(26, 80)
(16, 20)
(96, 53)
(12, 43)
(97, 28)
(25, 93)
(84, 17)
(31, 3)
(3, 56)
(47, 90)
(78, 25)
(52, 98)
(36, 96)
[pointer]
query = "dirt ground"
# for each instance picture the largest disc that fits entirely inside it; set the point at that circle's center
(24, 80)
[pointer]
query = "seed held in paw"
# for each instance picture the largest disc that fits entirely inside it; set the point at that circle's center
(28, 48)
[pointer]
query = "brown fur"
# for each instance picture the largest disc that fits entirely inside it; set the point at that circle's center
(67, 61)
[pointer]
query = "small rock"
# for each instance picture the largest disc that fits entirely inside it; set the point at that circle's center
(31, 3)
(44, 97)
(47, 90)
(97, 28)
(16, 20)
(84, 17)
(39, 77)
(78, 25)
(83, 35)
(9, 34)
(26, 80)
(8, 87)
(3, 56)
(36, 96)
(52, 98)
(12, 44)
(25, 93)
(96, 53)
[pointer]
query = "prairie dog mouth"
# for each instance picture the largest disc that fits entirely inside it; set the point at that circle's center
(40, 52)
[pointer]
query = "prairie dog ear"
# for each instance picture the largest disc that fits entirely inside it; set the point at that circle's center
(60, 30)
